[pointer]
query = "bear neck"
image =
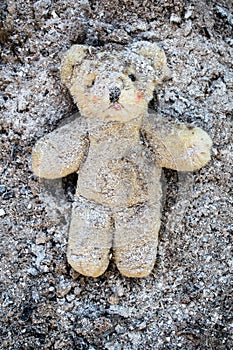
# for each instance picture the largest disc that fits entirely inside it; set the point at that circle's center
(96, 123)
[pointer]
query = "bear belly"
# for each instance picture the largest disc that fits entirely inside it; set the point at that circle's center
(117, 182)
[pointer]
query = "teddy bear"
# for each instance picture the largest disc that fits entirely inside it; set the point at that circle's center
(118, 150)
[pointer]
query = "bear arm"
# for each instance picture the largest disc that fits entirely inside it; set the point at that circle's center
(61, 152)
(176, 145)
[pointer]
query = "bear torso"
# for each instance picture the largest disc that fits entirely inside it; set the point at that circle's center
(119, 169)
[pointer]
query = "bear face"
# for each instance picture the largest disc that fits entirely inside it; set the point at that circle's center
(116, 85)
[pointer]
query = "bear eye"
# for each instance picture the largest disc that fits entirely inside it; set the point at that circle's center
(90, 79)
(90, 83)
(132, 77)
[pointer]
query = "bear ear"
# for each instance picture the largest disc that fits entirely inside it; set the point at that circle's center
(74, 56)
(157, 56)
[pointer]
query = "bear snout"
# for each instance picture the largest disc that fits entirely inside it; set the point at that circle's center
(114, 94)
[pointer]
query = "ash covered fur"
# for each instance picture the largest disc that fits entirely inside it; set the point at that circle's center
(118, 150)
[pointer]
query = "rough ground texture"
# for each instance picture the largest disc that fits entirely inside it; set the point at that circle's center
(186, 302)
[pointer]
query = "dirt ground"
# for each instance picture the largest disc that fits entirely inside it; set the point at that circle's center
(186, 303)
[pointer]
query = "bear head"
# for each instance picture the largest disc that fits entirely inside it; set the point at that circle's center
(113, 83)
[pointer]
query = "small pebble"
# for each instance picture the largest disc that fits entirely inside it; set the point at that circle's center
(188, 13)
(175, 18)
(2, 212)
(77, 291)
(8, 195)
(33, 271)
(70, 298)
(113, 299)
(2, 188)
(41, 238)
(63, 289)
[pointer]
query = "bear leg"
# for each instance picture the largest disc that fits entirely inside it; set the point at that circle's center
(136, 239)
(90, 238)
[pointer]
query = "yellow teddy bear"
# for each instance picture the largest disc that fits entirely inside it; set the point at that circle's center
(118, 150)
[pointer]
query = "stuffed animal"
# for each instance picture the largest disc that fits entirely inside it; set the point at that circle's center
(118, 150)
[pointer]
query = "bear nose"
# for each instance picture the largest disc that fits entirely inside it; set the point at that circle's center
(114, 94)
